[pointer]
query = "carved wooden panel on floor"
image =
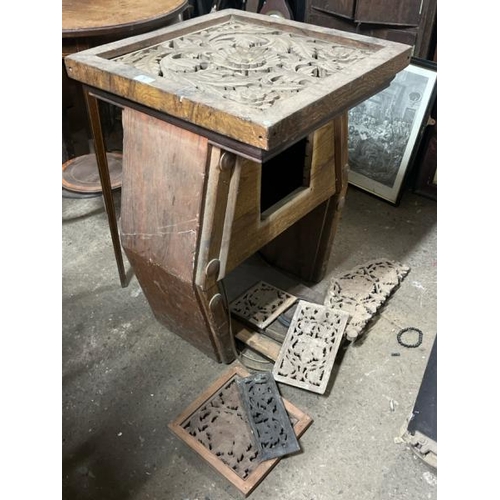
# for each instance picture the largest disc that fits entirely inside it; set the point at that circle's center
(271, 428)
(216, 427)
(261, 304)
(308, 353)
(363, 290)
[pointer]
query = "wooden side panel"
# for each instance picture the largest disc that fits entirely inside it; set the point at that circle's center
(396, 12)
(304, 249)
(250, 229)
(395, 34)
(164, 171)
(344, 8)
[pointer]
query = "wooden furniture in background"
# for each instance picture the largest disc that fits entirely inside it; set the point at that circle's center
(406, 21)
(89, 24)
(235, 141)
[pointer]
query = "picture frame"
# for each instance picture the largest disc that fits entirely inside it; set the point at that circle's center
(385, 131)
(425, 177)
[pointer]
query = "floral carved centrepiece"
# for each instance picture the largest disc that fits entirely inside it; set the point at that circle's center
(251, 64)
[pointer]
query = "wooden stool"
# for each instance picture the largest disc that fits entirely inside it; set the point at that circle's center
(235, 141)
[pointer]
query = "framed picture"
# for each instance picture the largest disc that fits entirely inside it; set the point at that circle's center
(385, 131)
(425, 177)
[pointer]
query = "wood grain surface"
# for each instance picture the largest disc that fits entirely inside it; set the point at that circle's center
(99, 17)
(163, 184)
(286, 120)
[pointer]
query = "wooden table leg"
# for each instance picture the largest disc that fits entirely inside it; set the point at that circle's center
(102, 164)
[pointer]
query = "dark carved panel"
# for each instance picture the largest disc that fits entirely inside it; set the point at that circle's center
(271, 427)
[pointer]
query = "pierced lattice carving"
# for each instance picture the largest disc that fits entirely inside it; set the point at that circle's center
(261, 304)
(257, 66)
(216, 426)
(269, 421)
(362, 291)
(221, 425)
(311, 344)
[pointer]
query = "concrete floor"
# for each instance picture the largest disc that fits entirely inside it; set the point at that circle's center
(125, 377)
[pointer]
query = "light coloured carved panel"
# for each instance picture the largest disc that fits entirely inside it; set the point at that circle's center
(254, 65)
(311, 344)
(363, 290)
(261, 304)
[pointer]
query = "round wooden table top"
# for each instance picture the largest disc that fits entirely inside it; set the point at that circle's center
(83, 18)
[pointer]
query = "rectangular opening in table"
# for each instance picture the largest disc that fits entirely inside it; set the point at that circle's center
(283, 177)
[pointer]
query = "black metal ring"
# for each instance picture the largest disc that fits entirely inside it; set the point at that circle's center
(408, 329)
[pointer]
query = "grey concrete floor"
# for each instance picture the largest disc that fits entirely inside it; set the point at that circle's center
(125, 377)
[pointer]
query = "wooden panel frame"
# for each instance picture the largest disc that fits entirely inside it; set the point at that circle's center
(263, 469)
(265, 129)
(252, 229)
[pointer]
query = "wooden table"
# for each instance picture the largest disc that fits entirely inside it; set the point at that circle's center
(235, 141)
(89, 24)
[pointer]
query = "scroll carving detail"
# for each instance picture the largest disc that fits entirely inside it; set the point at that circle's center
(221, 426)
(308, 353)
(261, 304)
(257, 66)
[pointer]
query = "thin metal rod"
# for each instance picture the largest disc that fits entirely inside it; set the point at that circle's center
(102, 165)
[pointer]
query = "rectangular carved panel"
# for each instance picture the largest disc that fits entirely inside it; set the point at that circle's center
(271, 427)
(310, 347)
(215, 425)
(261, 304)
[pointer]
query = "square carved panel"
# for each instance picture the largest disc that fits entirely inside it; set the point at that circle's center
(216, 426)
(261, 304)
(258, 79)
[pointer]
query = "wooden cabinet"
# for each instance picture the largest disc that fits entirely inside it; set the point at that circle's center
(406, 21)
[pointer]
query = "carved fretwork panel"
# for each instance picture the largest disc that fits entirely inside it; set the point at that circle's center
(308, 353)
(271, 427)
(363, 290)
(221, 426)
(254, 65)
(261, 304)
(216, 426)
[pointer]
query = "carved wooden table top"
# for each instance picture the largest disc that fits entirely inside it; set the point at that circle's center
(260, 80)
(100, 17)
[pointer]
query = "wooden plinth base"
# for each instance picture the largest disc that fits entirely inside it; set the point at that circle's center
(191, 213)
